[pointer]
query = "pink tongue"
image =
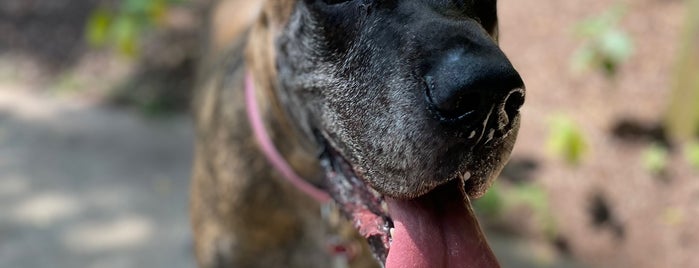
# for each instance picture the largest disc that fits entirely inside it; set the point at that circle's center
(438, 229)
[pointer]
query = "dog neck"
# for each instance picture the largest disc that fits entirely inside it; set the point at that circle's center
(283, 135)
(270, 151)
(298, 150)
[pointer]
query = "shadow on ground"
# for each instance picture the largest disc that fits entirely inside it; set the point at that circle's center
(51, 31)
(44, 42)
(84, 186)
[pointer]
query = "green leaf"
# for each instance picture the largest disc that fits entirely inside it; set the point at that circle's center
(531, 195)
(655, 158)
(491, 203)
(125, 33)
(616, 45)
(692, 154)
(536, 198)
(98, 24)
(592, 27)
(135, 7)
(125, 26)
(583, 58)
(566, 140)
(156, 10)
(605, 46)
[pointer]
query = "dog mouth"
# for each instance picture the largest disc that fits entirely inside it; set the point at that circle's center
(365, 207)
(436, 229)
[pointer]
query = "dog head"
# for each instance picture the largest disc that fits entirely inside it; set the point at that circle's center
(412, 95)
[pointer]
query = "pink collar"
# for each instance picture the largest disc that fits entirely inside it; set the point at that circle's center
(273, 156)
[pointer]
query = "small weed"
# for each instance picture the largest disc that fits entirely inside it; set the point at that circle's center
(566, 140)
(504, 198)
(535, 198)
(655, 159)
(123, 26)
(605, 46)
(691, 152)
(490, 204)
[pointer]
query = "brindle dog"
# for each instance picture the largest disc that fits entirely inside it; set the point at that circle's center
(399, 109)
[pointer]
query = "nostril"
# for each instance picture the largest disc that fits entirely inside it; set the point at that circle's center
(456, 107)
(513, 102)
(474, 84)
(452, 104)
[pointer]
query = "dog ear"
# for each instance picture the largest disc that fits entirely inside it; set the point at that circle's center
(487, 12)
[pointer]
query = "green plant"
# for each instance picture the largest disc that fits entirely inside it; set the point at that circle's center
(655, 158)
(505, 198)
(534, 197)
(566, 140)
(490, 204)
(692, 154)
(124, 25)
(605, 45)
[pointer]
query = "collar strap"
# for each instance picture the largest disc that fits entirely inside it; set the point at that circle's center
(270, 151)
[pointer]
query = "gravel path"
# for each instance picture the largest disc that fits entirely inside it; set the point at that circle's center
(87, 186)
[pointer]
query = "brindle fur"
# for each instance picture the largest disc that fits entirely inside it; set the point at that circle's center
(243, 214)
(354, 86)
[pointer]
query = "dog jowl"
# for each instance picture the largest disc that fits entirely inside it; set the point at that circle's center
(415, 109)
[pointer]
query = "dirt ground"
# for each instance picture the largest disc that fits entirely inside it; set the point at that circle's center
(86, 184)
(647, 221)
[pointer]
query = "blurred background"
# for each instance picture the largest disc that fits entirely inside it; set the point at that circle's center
(96, 140)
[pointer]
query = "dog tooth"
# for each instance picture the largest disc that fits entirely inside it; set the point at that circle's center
(466, 176)
(391, 231)
(473, 134)
(384, 206)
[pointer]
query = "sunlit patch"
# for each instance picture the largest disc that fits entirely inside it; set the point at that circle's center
(22, 106)
(45, 209)
(125, 232)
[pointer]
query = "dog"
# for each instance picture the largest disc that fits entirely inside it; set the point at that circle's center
(393, 112)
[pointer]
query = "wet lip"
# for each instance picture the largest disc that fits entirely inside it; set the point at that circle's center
(437, 229)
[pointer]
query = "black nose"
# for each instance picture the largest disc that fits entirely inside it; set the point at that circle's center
(474, 84)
